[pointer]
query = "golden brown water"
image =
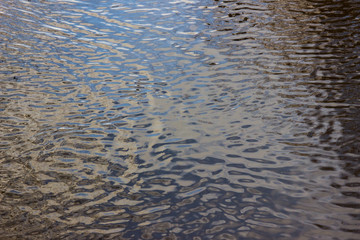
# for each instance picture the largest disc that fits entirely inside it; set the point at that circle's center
(181, 119)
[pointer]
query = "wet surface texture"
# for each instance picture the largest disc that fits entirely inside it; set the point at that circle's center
(193, 119)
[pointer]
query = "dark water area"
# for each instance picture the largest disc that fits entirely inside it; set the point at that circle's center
(179, 119)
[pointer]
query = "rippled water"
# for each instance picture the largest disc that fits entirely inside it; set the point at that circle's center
(180, 119)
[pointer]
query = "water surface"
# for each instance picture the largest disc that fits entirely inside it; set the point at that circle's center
(193, 119)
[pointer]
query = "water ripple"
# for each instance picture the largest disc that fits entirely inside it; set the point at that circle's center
(181, 119)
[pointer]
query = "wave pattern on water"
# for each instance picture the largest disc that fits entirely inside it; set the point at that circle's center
(179, 119)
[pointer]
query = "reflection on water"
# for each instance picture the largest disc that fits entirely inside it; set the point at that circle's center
(179, 120)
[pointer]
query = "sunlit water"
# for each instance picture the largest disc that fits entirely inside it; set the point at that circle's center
(179, 119)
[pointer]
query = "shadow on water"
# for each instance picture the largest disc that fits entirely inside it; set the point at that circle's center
(194, 119)
(322, 49)
(340, 70)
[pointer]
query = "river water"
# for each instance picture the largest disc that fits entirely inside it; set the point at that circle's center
(180, 119)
